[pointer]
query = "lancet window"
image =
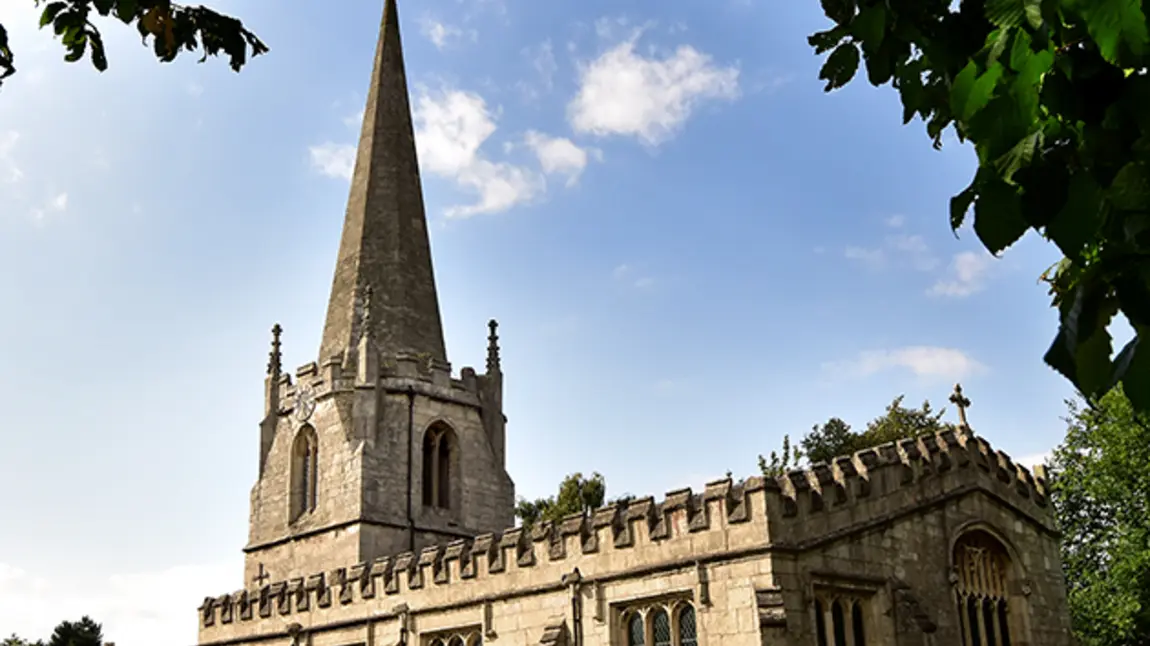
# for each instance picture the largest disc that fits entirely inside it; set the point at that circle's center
(666, 623)
(460, 637)
(840, 618)
(982, 569)
(304, 472)
(438, 444)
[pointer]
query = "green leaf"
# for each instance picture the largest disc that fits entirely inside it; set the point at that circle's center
(1094, 369)
(126, 10)
(99, 56)
(1060, 357)
(959, 205)
(1130, 190)
(1034, 13)
(824, 41)
(50, 12)
(870, 26)
(840, 66)
(998, 40)
(1019, 50)
(1135, 370)
(1117, 26)
(1019, 156)
(1085, 320)
(1077, 222)
(840, 11)
(998, 220)
(1134, 298)
(1005, 13)
(971, 91)
(104, 7)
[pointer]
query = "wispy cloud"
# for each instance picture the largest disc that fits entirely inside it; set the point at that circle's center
(627, 275)
(966, 276)
(650, 98)
(333, 160)
(560, 156)
(922, 361)
(9, 170)
(443, 35)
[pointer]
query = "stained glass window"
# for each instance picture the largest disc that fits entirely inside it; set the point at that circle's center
(687, 635)
(635, 631)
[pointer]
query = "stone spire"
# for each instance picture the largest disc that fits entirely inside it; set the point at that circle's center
(385, 242)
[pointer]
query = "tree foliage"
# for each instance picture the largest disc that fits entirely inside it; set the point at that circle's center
(836, 438)
(172, 28)
(1100, 490)
(1055, 96)
(85, 632)
(14, 640)
(576, 494)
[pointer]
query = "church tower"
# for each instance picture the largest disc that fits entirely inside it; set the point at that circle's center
(376, 449)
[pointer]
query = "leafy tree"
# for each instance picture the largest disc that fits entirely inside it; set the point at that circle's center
(836, 438)
(16, 641)
(576, 494)
(172, 27)
(85, 632)
(1100, 490)
(1055, 96)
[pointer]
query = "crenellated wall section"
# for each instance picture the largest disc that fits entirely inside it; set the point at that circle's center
(726, 522)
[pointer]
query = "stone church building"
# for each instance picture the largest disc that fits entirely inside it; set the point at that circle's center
(383, 511)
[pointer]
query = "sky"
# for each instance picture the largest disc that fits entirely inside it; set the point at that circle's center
(691, 249)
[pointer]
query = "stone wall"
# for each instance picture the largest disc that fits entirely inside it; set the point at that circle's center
(749, 554)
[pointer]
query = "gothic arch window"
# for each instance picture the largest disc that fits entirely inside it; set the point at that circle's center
(457, 637)
(304, 472)
(438, 445)
(982, 571)
(840, 618)
(659, 623)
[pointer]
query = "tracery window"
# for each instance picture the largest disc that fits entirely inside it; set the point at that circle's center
(840, 618)
(304, 472)
(460, 637)
(665, 623)
(983, 571)
(438, 444)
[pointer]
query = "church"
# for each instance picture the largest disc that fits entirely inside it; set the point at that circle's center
(383, 514)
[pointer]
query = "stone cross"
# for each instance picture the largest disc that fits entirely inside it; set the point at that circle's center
(274, 356)
(261, 576)
(961, 402)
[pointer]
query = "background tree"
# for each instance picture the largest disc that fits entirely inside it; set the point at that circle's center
(835, 438)
(173, 28)
(16, 641)
(85, 632)
(1100, 490)
(1054, 94)
(576, 494)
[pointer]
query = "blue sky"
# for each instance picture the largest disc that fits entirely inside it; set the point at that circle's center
(691, 250)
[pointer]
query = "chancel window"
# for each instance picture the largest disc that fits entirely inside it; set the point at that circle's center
(462, 637)
(840, 618)
(668, 623)
(304, 472)
(437, 448)
(983, 571)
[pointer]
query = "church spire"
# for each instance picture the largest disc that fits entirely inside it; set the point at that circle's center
(385, 243)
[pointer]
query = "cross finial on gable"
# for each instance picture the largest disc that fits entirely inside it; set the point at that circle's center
(959, 400)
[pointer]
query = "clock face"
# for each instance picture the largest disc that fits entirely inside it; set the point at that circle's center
(304, 402)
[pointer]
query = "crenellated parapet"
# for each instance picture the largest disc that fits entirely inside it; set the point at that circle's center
(797, 510)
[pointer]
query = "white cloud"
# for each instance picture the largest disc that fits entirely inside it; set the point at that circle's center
(543, 60)
(915, 249)
(9, 171)
(450, 128)
(442, 35)
(55, 204)
(896, 221)
(333, 160)
(127, 605)
(872, 257)
(626, 274)
(560, 156)
(624, 93)
(922, 361)
(967, 276)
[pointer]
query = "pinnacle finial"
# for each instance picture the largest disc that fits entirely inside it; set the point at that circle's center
(961, 402)
(275, 364)
(492, 347)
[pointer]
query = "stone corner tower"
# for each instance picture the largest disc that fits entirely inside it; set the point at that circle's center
(376, 448)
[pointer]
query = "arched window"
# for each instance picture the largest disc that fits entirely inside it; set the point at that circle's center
(304, 472)
(839, 619)
(660, 623)
(437, 447)
(983, 571)
(460, 637)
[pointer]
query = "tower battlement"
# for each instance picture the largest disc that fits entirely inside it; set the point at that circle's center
(854, 493)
